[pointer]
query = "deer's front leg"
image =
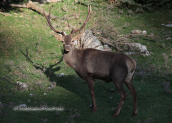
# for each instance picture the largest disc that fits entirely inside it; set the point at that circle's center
(90, 82)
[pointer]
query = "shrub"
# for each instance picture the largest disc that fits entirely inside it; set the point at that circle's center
(155, 4)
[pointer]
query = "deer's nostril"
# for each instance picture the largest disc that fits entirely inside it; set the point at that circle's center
(67, 47)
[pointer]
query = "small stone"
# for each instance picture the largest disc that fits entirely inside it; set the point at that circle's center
(22, 106)
(168, 38)
(144, 32)
(110, 97)
(60, 75)
(112, 90)
(168, 25)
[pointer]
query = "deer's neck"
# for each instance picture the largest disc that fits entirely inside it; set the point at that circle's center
(71, 57)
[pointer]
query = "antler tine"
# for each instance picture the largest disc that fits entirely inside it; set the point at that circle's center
(49, 23)
(89, 12)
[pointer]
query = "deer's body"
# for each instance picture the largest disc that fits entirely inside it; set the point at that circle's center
(92, 64)
(98, 64)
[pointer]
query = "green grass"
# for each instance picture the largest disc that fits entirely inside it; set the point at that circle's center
(29, 53)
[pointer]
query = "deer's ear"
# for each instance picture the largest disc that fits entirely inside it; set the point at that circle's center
(78, 36)
(58, 37)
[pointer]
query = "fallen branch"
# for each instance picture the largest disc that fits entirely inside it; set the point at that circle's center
(47, 1)
(15, 5)
(133, 35)
(30, 5)
(5, 14)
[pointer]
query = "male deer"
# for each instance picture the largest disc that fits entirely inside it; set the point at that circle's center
(92, 64)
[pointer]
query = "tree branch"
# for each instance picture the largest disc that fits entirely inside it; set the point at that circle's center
(133, 35)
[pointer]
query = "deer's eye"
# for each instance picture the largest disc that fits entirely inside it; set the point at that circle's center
(72, 40)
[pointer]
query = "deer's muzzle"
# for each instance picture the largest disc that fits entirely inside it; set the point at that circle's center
(67, 47)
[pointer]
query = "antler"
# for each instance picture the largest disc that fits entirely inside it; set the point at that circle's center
(89, 12)
(49, 23)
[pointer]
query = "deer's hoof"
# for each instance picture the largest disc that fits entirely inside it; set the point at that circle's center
(94, 110)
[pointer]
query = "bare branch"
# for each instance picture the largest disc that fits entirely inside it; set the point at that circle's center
(5, 14)
(30, 5)
(133, 35)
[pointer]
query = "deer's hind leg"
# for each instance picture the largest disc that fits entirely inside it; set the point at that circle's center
(123, 96)
(130, 86)
(131, 66)
(118, 78)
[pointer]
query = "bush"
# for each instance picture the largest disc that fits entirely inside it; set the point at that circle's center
(156, 4)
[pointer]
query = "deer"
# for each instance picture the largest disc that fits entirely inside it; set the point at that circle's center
(91, 64)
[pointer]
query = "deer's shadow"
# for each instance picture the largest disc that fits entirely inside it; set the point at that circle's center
(66, 81)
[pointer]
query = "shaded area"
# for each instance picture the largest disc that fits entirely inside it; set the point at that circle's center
(5, 8)
(48, 71)
(50, 74)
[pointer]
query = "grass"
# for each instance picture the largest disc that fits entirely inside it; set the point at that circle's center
(29, 53)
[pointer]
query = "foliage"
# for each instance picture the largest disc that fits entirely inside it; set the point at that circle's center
(155, 4)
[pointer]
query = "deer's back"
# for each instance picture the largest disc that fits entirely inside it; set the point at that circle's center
(99, 64)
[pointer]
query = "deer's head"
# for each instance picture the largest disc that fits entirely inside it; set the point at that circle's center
(67, 39)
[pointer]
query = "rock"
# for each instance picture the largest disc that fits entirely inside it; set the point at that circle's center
(43, 105)
(60, 75)
(107, 48)
(90, 41)
(22, 86)
(168, 25)
(136, 31)
(22, 106)
(142, 48)
(144, 32)
(168, 38)
(139, 32)
(129, 53)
